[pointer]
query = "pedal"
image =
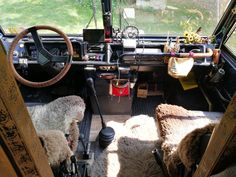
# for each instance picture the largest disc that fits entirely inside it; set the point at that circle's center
(86, 154)
(85, 165)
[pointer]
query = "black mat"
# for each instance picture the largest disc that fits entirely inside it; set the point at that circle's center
(84, 128)
(146, 105)
(85, 124)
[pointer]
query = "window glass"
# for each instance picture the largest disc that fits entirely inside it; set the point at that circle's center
(150, 16)
(171, 16)
(231, 42)
(71, 16)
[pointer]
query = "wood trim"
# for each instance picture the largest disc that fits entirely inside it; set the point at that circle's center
(6, 169)
(16, 128)
(219, 141)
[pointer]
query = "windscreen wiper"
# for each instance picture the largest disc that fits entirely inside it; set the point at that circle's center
(93, 16)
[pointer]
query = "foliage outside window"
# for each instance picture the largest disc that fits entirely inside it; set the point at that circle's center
(151, 16)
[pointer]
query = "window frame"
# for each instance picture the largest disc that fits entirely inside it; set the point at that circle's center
(232, 30)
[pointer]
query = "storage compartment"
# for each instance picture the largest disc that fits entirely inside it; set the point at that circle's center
(110, 104)
(149, 89)
(142, 91)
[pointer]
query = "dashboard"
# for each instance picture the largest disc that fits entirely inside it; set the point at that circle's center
(127, 48)
(42, 60)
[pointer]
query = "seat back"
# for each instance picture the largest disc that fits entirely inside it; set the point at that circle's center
(175, 123)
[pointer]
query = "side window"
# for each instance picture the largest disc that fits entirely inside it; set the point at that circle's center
(231, 42)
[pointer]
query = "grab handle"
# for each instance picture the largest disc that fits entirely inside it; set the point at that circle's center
(209, 53)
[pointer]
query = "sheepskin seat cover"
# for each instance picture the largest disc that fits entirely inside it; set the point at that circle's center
(56, 146)
(58, 114)
(175, 123)
(61, 114)
(189, 151)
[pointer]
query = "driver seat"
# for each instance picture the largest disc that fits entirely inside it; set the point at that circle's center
(53, 121)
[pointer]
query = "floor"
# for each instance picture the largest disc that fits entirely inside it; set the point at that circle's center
(96, 123)
(146, 106)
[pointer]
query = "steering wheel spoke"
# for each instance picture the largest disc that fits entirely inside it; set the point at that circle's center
(44, 57)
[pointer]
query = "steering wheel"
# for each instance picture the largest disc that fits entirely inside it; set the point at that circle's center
(44, 57)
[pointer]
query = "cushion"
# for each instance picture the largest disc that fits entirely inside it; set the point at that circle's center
(56, 146)
(190, 149)
(61, 114)
(175, 123)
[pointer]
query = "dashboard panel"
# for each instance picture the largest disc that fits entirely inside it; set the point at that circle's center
(143, 51)
(54, 48)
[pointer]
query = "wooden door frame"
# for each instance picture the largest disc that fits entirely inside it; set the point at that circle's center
(220, 139)
(18, 137)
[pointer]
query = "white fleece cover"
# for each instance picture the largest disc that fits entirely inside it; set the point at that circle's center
(130, 154)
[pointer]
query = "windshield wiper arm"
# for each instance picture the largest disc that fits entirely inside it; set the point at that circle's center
(93, 16)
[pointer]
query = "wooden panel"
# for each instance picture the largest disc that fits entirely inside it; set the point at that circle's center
(221, 137)
(6, 169)
(16, 128)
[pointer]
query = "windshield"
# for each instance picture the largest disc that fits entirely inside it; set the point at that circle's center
(149, 16)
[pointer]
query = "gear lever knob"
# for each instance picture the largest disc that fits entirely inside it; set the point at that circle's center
(106, 135)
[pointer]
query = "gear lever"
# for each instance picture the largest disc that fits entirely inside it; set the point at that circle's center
(106, 134)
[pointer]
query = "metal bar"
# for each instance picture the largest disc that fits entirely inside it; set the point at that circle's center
(182, 55)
